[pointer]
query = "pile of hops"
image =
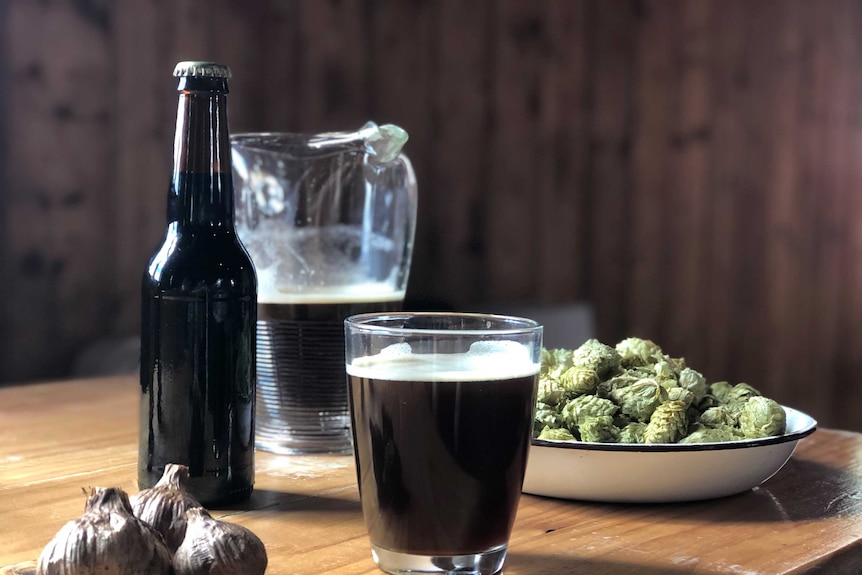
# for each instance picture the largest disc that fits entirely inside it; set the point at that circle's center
(635, 393)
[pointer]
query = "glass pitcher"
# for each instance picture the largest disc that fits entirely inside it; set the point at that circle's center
(329, 222)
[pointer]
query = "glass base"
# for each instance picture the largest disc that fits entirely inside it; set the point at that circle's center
(395, 562)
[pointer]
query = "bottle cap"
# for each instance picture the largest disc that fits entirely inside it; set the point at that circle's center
(193, 69)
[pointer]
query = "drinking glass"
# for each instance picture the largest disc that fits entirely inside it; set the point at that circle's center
(329, 222)
(442, 406)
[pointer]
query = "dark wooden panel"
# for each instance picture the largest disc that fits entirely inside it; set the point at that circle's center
(727, 178)
(798, 134)
(280, 59)
(688, 167)
(750, 326)
(58, 194)
(687, 195)
(145, 114)
(845, 359)
(400, 39)
(563, 129)
(235, 39)
(6, 325)
(516, 181)
(612, 56)
(653, 129)
(186, 27)
(333, 74)
(452, 235)
(786, 299)
(834, 201)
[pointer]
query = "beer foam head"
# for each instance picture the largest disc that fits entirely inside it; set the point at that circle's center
(484, 361)
(269, 292)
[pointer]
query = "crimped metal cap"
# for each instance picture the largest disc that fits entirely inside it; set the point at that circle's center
(192, 69)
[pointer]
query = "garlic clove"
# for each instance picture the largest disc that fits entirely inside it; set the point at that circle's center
(163, 506)
(25, 568)
(218, 548)
(106, 540)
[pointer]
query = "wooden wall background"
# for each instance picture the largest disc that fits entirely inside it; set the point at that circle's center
(691, 168)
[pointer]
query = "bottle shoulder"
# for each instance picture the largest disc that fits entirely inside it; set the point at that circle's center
(195, 260)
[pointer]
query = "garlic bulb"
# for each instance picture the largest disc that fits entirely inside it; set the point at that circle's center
(163, 507)
(106, 540)
(218, 548)
(25, 568)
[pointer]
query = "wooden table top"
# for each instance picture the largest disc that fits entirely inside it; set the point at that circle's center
(57, 438)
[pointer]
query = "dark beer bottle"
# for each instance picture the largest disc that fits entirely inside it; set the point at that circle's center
(199, 311)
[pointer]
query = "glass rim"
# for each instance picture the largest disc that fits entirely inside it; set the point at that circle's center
(246, 137)
(290, 144)
(365, 322)
(305, 145)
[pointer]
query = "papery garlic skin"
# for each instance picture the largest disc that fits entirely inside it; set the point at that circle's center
(163, 507)
(106, 540)
(24, 568)
(216, 547)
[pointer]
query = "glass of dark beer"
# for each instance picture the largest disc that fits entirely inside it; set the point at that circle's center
(329, 221)
(442, 407)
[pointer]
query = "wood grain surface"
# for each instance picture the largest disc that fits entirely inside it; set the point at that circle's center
(687, 167)
(58, 438)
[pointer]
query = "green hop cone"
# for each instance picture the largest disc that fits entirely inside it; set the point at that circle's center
(546, 417)
(716, 417)
(598, 356)
(668, 423)
(556, 434)
(555, 359)
(599, 429)
(740, 393)
(720, 390)
(579, 379)
(681, 394)
(664, 370)
(605, 388)
(633, 433)
(640, 399)
(738, 396)
(762, 417)
(694, 382)
(550, 391)
(713, 435)
(577, 410)
(636, 352)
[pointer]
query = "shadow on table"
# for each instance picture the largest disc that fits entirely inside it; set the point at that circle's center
(802, 490)
(294, 502)
(545, 564)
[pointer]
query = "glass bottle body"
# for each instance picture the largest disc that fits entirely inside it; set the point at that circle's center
(199, 314)
(198, 362)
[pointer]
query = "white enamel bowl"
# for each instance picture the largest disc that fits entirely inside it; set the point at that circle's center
(637, 473)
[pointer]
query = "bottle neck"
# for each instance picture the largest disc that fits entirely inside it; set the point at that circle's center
(201, 191)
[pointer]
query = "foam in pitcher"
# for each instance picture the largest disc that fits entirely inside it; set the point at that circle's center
(357, 293)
